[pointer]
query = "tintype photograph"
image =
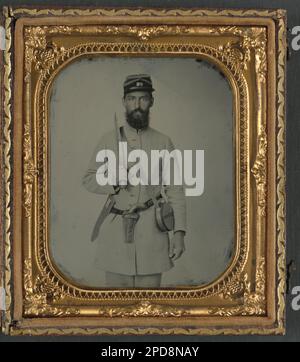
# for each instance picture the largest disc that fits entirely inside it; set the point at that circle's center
(152, 104)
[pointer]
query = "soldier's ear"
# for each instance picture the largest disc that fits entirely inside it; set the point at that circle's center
(152, 102)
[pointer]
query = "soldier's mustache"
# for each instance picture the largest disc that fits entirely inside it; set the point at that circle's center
(137, 111)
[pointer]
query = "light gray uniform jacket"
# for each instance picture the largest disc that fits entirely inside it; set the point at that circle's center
(149, 253)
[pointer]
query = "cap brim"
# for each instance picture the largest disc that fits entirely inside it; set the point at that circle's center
(137, 89)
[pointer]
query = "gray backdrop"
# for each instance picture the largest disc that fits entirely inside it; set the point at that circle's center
(293, 163)
(193, 105)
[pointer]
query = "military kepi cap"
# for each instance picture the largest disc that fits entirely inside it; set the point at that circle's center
(138, 82)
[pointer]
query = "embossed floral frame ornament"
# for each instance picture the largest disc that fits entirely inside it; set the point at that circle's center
(248, 47)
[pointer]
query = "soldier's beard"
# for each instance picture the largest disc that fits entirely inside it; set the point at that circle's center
(138, 119)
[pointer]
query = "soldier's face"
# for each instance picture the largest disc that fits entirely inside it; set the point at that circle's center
(137, 105)
(136, 101)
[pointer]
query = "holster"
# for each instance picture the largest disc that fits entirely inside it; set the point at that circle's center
(129, 223)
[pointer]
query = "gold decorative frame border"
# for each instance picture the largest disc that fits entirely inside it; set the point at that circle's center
(257, 169)
(7, 169)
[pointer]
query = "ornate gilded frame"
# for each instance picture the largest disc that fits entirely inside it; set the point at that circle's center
(249, 46)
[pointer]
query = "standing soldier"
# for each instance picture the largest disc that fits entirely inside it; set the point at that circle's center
(131, 248)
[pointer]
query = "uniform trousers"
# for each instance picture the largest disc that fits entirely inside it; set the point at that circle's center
(139, 281)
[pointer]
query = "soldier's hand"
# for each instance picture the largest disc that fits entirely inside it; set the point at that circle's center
(177, 245)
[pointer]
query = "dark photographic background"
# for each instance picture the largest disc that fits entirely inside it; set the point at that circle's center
(293, 159)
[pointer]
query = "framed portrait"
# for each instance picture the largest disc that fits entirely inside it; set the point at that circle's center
(143, 171)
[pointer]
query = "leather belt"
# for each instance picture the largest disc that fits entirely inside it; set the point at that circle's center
(144, 206)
